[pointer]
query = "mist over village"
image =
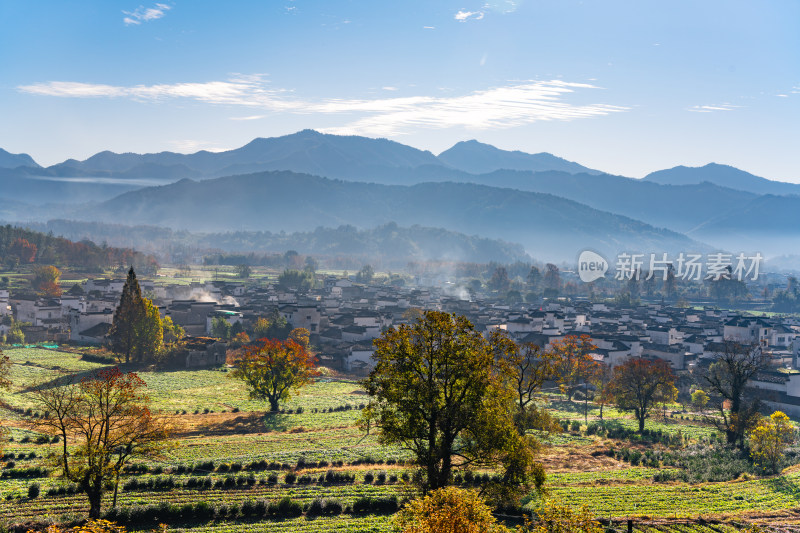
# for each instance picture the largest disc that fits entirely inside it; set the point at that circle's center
(507, 266)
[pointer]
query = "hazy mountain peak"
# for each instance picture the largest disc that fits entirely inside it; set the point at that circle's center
(723, 175)
(479, 158)
(9, 160)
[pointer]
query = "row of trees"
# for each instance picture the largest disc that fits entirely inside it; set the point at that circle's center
(451, 396)
(457, 399)
(522, 281)
(273, 326)
(22, 246)
(637, 385)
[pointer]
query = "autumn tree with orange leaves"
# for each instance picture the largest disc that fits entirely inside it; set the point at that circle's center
(26, 251)
(272, 369)
(104, 421)
(572, 363)
(45, 281)
(639, 384)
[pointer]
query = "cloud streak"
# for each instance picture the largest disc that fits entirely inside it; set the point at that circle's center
(463, 16)
(145, 14)
(500, 107)
(712, 108)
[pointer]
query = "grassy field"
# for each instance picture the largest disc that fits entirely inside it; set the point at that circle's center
(223, 436)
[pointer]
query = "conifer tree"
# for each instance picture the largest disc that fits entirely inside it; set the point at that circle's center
(127, 317)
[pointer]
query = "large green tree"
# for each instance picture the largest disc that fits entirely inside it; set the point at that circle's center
(272, 327)
(300, 280)
(149, 332)
(126, 316)
(437, 390)
(136, 331)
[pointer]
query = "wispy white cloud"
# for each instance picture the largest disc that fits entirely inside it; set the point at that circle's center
(249, 117)
(463, 16)
(389, 88)
(501, 107)
(502, 6)
(242, 90)
(495, 108)
(497, 6)
(712, 108)
(429, 27)
(145, 14)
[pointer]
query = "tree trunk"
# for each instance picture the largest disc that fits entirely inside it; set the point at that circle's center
(95, 494)
(116, 489)
(444, 473)
(433, 476)
(640, 417)
(730, 435)
(273, 405)
(65, 454)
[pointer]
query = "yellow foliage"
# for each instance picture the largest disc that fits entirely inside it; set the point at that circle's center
(770, 439)
(92, 526)
(95, 526)
(554, 517)
(448, 510)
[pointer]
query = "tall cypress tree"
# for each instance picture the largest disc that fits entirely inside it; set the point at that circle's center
(128, 315)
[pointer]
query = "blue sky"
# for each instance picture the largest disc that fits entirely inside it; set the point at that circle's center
(623, 86)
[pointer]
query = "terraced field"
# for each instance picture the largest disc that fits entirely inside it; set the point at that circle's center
(222, 434)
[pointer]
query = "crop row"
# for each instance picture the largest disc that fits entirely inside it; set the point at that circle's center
(683, 500)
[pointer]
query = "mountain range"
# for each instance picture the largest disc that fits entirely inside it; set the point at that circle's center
(288, 201)
(308, 179)
(9, 160)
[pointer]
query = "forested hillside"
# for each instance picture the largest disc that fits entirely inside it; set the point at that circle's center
(23, 246)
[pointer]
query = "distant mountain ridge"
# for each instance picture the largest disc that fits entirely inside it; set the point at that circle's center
(703, 203)
(724, 176)
(479, 158)
(311, 152)
(9, 160)
(546, 225)
(334, 156)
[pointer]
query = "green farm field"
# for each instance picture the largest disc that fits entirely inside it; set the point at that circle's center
(229, 453)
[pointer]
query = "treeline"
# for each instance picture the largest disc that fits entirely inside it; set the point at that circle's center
(787, 300)
(289, 259)
(25, 246)
(386, 245)
(389, 243)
